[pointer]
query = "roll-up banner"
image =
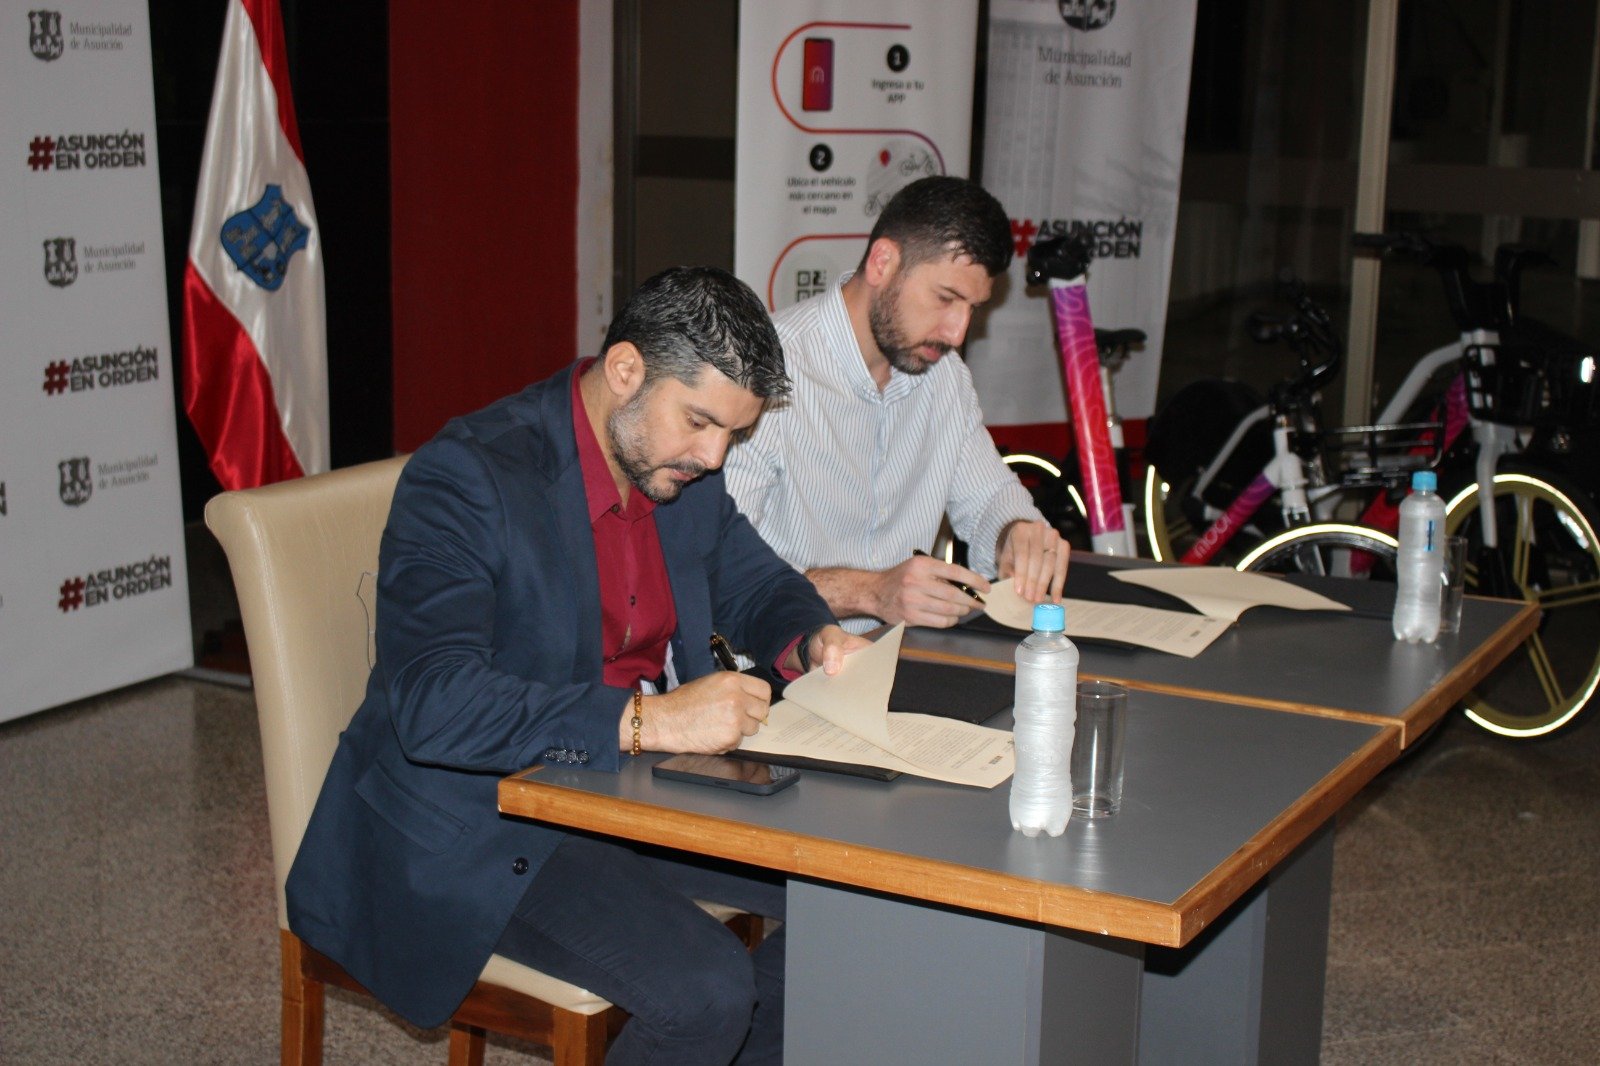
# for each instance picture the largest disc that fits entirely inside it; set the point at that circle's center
(1083, 123)
(841, 103)
(93, 583)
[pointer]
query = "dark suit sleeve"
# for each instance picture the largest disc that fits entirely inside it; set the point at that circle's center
(441, 570)
(759, 600)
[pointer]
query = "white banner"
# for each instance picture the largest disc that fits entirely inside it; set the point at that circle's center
(93, 584)
(1083, 132)
(841, 103)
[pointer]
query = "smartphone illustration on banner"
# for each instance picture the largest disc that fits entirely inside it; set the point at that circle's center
(816, 89)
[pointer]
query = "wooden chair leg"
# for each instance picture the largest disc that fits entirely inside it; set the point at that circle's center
(578, 1039)
(749, 928)
(302, 1007)
(466, 1045)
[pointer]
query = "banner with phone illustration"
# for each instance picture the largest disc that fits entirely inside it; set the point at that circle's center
(1083, 126)
(841, 103)
(93, 580)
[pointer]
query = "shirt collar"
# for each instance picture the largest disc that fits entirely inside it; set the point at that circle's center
(599, 488)
(847, 349)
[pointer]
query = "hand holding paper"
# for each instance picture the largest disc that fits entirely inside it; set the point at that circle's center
(846, 718)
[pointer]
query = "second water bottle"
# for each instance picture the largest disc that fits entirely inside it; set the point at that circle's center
(1419, 576)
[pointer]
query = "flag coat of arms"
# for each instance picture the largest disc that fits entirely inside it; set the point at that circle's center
(254, 331)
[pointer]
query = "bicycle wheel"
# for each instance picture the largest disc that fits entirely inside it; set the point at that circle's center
(1161, 528)
(1326, 549)
(1548, 556)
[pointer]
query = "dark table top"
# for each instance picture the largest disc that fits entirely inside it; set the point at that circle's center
(1341, 664)
(1215, 795)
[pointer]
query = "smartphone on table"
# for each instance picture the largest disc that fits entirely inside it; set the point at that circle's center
(719, 771)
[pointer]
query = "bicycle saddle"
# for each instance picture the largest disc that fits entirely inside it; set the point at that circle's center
(1109, 340)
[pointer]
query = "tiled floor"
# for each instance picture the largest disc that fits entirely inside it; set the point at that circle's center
(137, 918)
(1463, 925)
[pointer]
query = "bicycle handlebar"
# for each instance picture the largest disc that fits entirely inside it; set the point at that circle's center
(1309, 332)
(1062, 258)
(1475, 305)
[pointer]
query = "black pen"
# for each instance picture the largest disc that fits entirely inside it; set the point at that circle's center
(968, 589)
(724, 654)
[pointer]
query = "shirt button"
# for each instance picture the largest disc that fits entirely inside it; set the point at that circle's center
(519, 866)
(632, 600)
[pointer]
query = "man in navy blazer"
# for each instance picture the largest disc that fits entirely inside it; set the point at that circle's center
(544, 558)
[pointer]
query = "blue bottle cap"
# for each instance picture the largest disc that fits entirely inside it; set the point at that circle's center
(1424, 481)
(1049, 618)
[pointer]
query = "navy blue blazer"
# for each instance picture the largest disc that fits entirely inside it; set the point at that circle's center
(489, 662)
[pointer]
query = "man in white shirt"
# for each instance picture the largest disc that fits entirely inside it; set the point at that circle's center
(883, 434)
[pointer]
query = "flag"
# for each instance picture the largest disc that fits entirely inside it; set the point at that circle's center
(255, 339)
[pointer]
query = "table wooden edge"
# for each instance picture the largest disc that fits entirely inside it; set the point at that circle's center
(935, 881)
(1254, 859)
(1453, 687)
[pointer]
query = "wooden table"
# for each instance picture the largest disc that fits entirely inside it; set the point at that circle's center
(1191, 927)
(1344, 665)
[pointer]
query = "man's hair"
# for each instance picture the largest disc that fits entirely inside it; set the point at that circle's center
(686, 318)
(940, 216)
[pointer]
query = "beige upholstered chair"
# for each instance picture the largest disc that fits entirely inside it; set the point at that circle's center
(304, 556)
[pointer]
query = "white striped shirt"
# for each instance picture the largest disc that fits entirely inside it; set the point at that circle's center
(839, 474)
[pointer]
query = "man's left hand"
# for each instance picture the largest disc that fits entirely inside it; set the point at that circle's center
(1035, 557)
(827, 648)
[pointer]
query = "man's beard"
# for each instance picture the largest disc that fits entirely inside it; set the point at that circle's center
(891, 340)
(625, 427)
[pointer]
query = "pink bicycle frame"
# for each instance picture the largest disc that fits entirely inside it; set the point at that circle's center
(1080, 361)
(1232, 520)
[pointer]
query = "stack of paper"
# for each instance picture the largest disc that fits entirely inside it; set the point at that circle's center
(1177, 632)
(1219, 594)
(846, 718)
(1223, 593)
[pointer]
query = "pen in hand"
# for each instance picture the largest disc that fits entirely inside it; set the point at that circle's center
(724, 654)
(968, 589)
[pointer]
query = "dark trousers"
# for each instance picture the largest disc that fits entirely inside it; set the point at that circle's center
(621, 922)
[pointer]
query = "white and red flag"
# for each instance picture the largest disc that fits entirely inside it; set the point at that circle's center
(255, 338)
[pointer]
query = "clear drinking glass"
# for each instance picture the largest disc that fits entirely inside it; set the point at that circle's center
(1455, 578)
(1097, 745)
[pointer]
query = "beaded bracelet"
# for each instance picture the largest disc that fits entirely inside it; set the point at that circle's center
(638, 717)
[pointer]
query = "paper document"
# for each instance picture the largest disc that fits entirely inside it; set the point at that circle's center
(1224, 593)
(846, 718)
(1174, 632)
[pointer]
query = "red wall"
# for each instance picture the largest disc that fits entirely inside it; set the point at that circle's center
(483, 104)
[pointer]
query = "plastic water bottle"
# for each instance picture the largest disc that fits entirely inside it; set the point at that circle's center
(1421, 562)
(1046, 712)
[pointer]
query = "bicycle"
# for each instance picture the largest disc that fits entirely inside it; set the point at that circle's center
(1102, 459)
(1103, 462)
(1276, 450)
(1518, 392)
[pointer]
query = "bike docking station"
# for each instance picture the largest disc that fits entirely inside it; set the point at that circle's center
(1063, 264)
